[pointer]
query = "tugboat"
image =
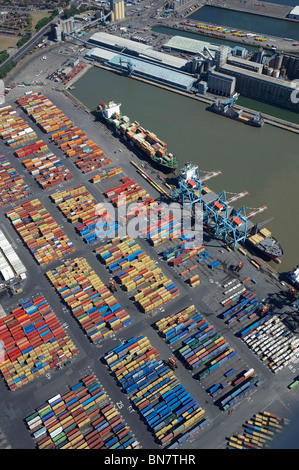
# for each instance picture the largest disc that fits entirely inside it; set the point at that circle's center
(145, 142)
(226, 108)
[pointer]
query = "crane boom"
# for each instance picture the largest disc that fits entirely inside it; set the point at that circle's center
(237, 196)
(256, 211)
(210, 175)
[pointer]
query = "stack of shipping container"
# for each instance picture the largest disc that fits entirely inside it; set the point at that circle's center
(135, 269)
(82, 418)
(86, 153)
(12, 186)
(34, 342)
(90, 301)
(165, 405)
(38, 146)
(13, 129)
(90, 218)
(44, 113)
(258, 431)
(40, 232)
(47, 169)
(272, 341)
(126, 193)
(106, 174)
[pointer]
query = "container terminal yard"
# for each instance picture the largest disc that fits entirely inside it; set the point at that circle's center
(197, 307)
(127, 343)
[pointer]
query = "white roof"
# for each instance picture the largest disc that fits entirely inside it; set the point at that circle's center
(159, 57)
(100, 53)
(165, 59)
(118, 42)
(190, 45)
(295, 11)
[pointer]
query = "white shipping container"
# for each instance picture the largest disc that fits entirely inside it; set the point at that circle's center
(54, 399)
(250, 371)
(56, 432)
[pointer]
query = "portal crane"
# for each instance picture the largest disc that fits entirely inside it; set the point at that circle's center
(234, 225)
(190, 184)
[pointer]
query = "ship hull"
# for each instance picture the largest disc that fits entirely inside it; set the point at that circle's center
(250, 122)
(263, 253)
(154, 161)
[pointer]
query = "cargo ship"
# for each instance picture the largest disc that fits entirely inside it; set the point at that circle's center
(147, 143)
(226, 108)
(293, 277)
(265, 245)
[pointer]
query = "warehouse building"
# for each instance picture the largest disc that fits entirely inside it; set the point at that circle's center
(110, 42)
(153, 72)
(238, 51)
(262, 87)
(167, 60)
(118, 44)
(10, 264)
(191, 46)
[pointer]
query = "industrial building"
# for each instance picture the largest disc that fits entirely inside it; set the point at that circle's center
(150, 64)
(262, 87)
(221, 55)
(118, 10)
(191, 46)
(176, 4)
(118, 44)
(221, 84)
(108, 42)
(10, 264)
(245, 64)
(101, 54)
(294, 14)
(152, 72)
(62, 26)
(238, 51)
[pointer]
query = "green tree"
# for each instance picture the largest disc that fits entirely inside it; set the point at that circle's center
(3, 56)
(7, 68)
(23, 40)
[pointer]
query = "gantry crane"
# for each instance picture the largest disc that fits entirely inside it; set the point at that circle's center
(190, 184)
